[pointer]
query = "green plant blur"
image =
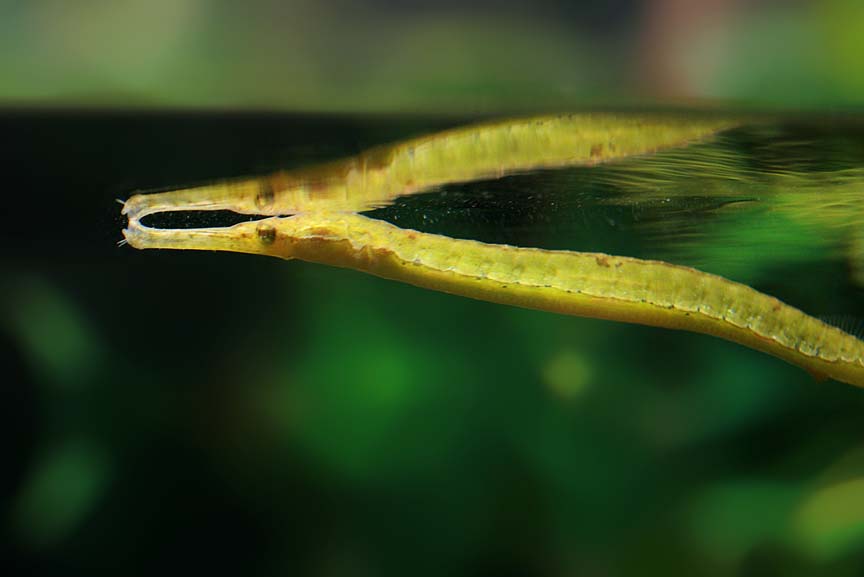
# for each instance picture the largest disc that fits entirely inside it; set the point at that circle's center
(423, 56)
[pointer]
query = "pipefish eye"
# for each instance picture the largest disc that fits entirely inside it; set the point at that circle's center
(266, 233)
(266, 196)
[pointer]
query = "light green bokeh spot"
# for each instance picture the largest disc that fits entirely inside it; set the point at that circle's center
(830, 522)
(65, 485)
(729, 520)
(567, 374)
(54, 334)
(370, 398)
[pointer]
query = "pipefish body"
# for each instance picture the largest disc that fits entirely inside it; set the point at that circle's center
(325, 229)
(575, 283)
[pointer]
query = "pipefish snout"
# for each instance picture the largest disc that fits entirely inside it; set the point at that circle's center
(326, 229)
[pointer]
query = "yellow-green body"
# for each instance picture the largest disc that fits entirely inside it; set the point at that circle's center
(324, 229)
(575, 283)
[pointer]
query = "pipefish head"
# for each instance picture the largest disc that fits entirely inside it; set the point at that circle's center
(288, 194)
(283, 237)
(254, 237)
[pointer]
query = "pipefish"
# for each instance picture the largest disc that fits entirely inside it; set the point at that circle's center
(575, 283)
(325, 229)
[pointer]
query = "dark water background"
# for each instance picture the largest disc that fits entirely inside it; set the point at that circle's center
(204, 411)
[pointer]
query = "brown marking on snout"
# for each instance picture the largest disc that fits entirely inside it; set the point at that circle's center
(266, 233)
(319, 231)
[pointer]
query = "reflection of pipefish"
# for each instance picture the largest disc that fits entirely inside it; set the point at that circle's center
(596, 285)
(378, 176)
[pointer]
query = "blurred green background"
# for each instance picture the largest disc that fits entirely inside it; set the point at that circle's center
(217, 412)
(430, 55)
